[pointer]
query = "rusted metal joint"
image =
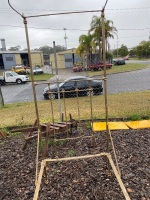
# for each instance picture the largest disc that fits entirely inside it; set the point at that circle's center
(24, 20)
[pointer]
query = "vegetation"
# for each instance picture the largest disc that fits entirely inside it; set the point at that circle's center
(96, 30)
(93, 40)
(41, 77)
(123, 51)
(119, 69)
(50, 50)
(45, 49)
(143, 50)
(22, 114)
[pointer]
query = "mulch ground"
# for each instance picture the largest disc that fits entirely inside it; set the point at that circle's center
(80, 179)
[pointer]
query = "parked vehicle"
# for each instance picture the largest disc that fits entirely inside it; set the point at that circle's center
(77, 68)
(36, 70)
(13, 77)
(99, 66)
(126, 58)
(120, 62)
(19, 69)
(85, 85)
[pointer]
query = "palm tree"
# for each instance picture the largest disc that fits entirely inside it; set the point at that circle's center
(110, 30)
(96, 30)
(85, 46)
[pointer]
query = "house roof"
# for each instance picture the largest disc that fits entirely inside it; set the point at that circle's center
(18, 52)
(73, 50)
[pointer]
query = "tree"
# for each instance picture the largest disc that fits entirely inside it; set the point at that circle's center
(123, 50)
(49, 50)
(96, 30)
(85, 46)
(143, 50)
(16, 48)
(115, 52)
(132, 52)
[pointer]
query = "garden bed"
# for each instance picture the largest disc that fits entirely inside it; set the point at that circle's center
(80, 179)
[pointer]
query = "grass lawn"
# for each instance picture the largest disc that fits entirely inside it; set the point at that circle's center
(126, 105)
(41, 77)
(120, 68)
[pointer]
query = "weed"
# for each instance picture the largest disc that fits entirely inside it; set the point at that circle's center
(51, 142)
(71, 153)
(14, 134)
(42, 144)
(61, 142)
(2, 142)
(88, 124)
(134, 117)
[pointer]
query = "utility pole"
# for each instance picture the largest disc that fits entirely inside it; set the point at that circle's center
(65, 38)
(117, 46)
(57, 78)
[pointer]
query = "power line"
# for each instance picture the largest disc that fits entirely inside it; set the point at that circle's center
(52, 10)
(44, 28)
(71, 29)
(75, 10)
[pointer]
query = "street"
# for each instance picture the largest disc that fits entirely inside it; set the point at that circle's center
(116, 83)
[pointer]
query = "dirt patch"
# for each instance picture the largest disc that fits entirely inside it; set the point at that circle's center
(80, 179)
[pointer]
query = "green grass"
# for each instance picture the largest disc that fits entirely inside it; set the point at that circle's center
(120, 68)
(131, 105)
(141, 59)
(41, 77)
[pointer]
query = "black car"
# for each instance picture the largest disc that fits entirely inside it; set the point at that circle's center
(74, 86)
(119, 62)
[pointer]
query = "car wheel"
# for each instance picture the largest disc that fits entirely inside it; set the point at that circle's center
(90, 93)
(18, 81)
(52, 96)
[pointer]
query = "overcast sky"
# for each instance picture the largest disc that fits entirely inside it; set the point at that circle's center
(130, 17)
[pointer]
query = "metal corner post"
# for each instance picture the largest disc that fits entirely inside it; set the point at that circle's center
(34, 93)
(105, 77)
(57, 80)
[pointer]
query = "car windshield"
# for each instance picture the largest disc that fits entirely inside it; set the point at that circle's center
(14, 73)
(60, 84)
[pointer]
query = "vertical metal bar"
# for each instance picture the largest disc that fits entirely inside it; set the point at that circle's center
(1, 98)
(78, 106)
(65, 112)
(58, 90)
(105, 79)
(91, 105)
(105, 87)
(34, 94)
(79, 116)
(52, 112)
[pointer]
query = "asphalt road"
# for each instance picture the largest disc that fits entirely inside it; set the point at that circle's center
(116, 83)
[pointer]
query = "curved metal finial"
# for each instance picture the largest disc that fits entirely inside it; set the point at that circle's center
(15, 9)
(104, 5)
